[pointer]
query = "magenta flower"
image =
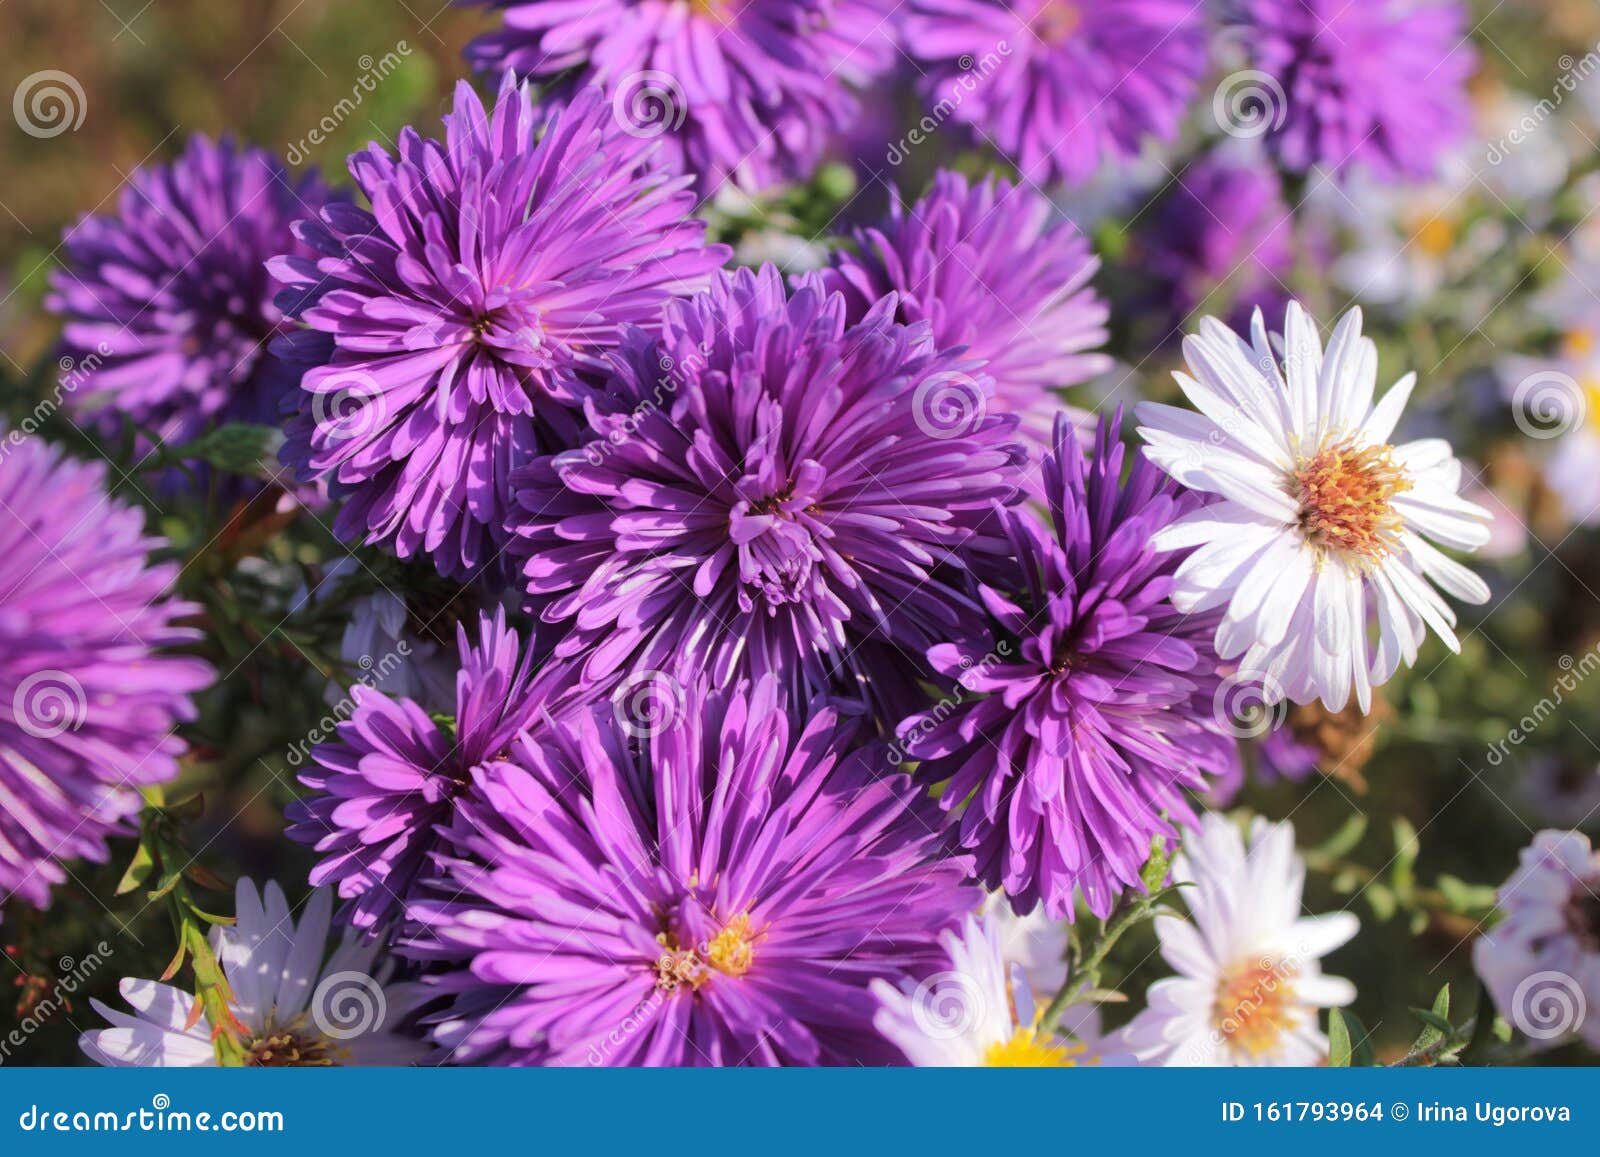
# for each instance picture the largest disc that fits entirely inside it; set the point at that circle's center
(89, 706)
(455, 322)
(722, 892)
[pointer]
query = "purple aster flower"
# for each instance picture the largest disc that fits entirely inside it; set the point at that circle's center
(721, 892)
(748, 89)
(1058, 86)
(88, 707)
(771, 489)
(168, 306)
(992, 268)
(1072, 742)
(1382, 85)
(1220, 238)
(395, 774)
(455, 321)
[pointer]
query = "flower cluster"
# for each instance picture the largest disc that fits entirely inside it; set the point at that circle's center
(717, 661)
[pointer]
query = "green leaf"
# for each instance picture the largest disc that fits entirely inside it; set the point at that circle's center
(1343, 841)
(1157, 867)
(237, 448)
(1403, 876)
(1381, 900)
(1338, 1040)
(139, 869)
(1361, 1054)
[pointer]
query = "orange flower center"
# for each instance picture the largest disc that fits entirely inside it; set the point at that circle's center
(1256, 1006)
(1056, 20)
(1344, 492)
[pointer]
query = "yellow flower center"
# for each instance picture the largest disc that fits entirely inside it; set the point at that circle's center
(1435, 236)
(1256, 1006)
(731, 951)
(1026, 1051)
(1344, 492)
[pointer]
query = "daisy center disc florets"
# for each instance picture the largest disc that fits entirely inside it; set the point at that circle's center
(730, 952)
(1344, 492)
(293, 1047)
(1256, 1006)
(1026, 1051)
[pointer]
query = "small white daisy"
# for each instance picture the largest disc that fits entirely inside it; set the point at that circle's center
(981, 1011)
(1319, 531)
(1250, 980)
(295, 1009)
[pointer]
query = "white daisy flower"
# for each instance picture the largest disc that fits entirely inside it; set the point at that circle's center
(1541, 962)
(1250, 980)
(1320, 532)
(981, 1011)
(296, 1009)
